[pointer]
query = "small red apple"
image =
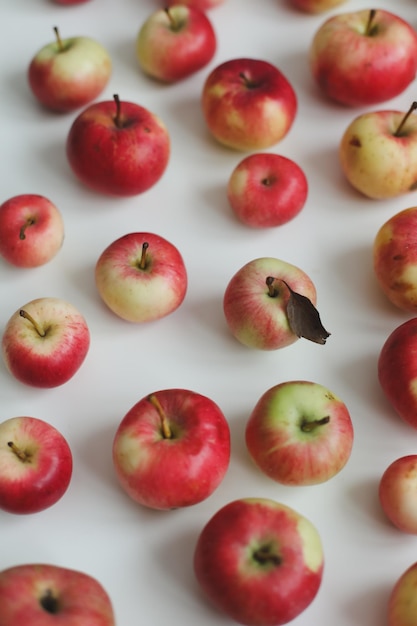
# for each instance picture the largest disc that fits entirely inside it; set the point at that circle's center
(397, 489)
(118, 148)
(402, 602)
(36, 465)
(172, 449)
(203, 5)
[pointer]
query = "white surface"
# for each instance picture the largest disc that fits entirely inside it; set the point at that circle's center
(144, 558)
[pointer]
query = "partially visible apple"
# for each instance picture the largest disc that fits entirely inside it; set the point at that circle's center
(31, 230)
(316, 6)
(141, 277)
(36, 465)
(45, 342)
(397, 489)
(69, 2)
(118, 148)
(395, 259)
(67, 74)
(402, 603)
(259, 561)
(172, 449)
(203, 5)
(261, 301)
(364, 57)
(299, 433)
(41, 594)
(248, 104)
(378, 153)
(397, 370)
(175, 42)
(266, 190)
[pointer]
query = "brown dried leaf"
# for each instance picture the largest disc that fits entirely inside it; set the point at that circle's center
(304, 319)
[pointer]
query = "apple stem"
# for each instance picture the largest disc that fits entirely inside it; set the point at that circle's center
(21, 454)
(309, 426)
(35, 324)
(29, 222)
(265, 555)
(49, 602)
(144, 256)
(174, 24)
(405, 118)
(272, 290)
(369, 25)
(166, 431)
(117, 118)
(58, 39)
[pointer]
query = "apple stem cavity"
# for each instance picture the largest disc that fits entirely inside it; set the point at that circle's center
(250, 84)
(175, 25)
(29, 222)
(308, 426)
(21, 454)
(27, 316)
(265, 555)
(144, 256)
(398, 132)
(272, 290)
(166, 430)
(49, 602)
(370, 26)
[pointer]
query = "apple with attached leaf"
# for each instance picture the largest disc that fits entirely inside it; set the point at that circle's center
(68, 73)
(269, 303)
(299, 433)
(248, 104)
(42, 594)
(45, 342)
(378, 153)
(172, 449)
(364, 57)
(259, 561)
(175, 42)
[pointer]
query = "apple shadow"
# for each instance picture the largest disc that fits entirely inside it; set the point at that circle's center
(364, 496)
(370, 607)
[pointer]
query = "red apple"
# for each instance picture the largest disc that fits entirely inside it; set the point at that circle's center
(67, 74)
(395, 259)
(31, 230)
(259, 561)
(397, 370)
(299, 433)
(266, 190)
(203, 5)
(364, 57)
(175, 42)
(36, 465)
(316, 6)
(118, 148)
(397, 489)
(39, 594)
(172, 449)
(260, 300)
(141, 277)
(248, 104)
(69, 2)
(45, 342)
(402, 603)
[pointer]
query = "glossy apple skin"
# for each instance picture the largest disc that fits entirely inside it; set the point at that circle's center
(316, 6)
(395, 259)
(286, 439)
(248, 104)
(37, 471)
(141, 294)
(31, 230)
(229, 568)
(267, 190)
(50, 360)
(41, 594)
(397, 370)
(255, 318)
(397, 489)
(122, 159)
(163, 472)
(66, 77)
(376, 162)
(203, 5)
(175, 43)
(356, 69)
(402, 603)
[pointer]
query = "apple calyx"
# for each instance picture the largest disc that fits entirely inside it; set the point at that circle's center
(27, 316)
(165, 428)
(303, 317)
(29, 222)
(371, 28)
(266, 555)
(49, 602)
(308, 426)
(21, 454)
(399, 132)
(143, 261)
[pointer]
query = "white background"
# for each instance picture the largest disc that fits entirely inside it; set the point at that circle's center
(143, 557)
